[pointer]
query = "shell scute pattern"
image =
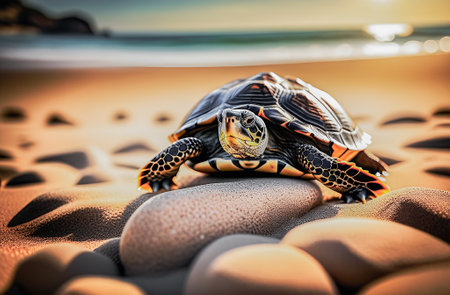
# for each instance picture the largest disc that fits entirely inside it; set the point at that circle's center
(290, 103)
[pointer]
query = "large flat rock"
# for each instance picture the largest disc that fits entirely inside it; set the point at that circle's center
(169, 229)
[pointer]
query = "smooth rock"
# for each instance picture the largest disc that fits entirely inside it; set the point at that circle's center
(110, 248)
(166, 283)
(169, 229)
(201, 263)
(428, 279)
(356, 251)
(47, 269)
(98, 286)
(425, 209)
(266, 269)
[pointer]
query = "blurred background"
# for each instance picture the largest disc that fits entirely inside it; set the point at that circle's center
(52, 33)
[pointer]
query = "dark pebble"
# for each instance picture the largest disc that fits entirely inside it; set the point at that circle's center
(91, 179)
(57, 119)
(7, 172)
(77, 160)
(110, 248)
(404, 120)
(164, 283)
(26, 144)
(4, 155)
(12, 114)
(442, 112)
(40, 206)
(442, 143)
(445, 125)
(441, 171)
(163, 118)
(133, 148)
(49, 268)
(389, 161)
(26, 178)
(128, 166)
(120, 116)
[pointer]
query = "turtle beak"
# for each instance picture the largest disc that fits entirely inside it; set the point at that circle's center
(232, 121)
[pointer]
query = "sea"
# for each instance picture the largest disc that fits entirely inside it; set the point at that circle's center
(36, 51)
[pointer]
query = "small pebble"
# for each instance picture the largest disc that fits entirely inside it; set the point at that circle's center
(46, 270)
(12, 114)
(353, 257)
(26, 178)
(265, 269)
(77, 159)
(428, 279)
(202, 262)
(96, 285)
(57, 119)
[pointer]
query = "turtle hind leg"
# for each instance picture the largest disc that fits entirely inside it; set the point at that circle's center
(350, 180)
(161, 170)
(370, 162)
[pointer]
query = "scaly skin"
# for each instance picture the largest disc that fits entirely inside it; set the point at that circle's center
(344, 177)
(164, 166)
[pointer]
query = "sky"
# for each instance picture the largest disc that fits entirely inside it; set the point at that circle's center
(134, 16)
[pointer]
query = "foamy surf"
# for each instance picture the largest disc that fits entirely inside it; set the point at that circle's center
(40, 51)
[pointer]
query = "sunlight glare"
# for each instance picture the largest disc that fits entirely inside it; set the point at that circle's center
(381, 49)
(412, 47)
(387, 32)
(431, 46)
(444, 44)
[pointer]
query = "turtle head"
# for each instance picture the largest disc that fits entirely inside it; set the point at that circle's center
(242, 133)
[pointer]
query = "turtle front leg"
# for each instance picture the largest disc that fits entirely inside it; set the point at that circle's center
(164, 166)
(350, 180)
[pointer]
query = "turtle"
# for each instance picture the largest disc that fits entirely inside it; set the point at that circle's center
(272, 124)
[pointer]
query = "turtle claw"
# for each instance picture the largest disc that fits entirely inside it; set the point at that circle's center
(358, 194)
(166, 184)
(347, 198)
(155, 186)
(361, 195)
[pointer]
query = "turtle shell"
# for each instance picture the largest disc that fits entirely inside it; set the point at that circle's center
(288, 102)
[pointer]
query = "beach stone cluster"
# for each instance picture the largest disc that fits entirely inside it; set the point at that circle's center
(224, 238)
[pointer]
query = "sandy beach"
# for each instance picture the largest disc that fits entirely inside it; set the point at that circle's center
(72, 142)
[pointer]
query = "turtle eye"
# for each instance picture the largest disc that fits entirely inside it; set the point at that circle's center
(249, 121)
